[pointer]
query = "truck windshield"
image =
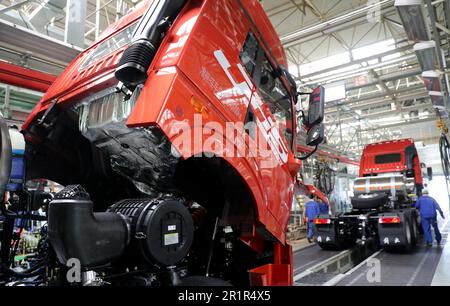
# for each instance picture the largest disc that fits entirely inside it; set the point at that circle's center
(388, 158)
(110, 45)
(269, 84)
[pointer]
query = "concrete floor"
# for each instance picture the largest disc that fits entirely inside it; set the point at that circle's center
(417, 268)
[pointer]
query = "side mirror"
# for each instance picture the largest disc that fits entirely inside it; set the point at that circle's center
(315, 135)
(430, 173)
(294, 165)
(316, 111)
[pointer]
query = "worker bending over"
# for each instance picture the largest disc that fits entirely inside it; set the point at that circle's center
(427, 207)
(310, 212)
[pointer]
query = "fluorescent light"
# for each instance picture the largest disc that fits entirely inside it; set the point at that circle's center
(373, 49)
(335, 91)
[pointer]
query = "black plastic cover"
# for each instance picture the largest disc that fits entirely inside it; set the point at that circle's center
(75, 231)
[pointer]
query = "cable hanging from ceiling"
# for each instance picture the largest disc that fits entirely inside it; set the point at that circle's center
(444, 149)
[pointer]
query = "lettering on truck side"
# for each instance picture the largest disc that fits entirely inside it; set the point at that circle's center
(269, 129)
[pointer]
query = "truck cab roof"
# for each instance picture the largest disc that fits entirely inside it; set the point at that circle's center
(385, 157)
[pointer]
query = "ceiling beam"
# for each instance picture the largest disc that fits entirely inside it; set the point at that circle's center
(327, 26)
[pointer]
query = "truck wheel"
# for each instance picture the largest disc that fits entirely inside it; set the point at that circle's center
(408, 234)
(328, 247)
(338, 245)
(369, 200)
(350, 243)
(414, 231)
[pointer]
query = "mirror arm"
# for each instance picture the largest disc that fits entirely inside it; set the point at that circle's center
(302, 93)
(309, 154)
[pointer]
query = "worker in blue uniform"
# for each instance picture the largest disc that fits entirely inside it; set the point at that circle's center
(323, 207)
(310, 212)
(427, 207)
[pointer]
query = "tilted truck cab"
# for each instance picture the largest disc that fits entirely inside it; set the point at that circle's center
(390, 180)
(175, 135)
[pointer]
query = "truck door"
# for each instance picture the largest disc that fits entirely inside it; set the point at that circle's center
(271, 111)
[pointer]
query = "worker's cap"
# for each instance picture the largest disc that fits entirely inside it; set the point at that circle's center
(425, 191)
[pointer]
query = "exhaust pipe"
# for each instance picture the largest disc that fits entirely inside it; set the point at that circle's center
(136, 59)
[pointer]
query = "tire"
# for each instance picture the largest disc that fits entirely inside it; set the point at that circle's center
(409, 240)
(419, 224)
(203, 281)
(414, 231)
(329, 247)
(369, 200)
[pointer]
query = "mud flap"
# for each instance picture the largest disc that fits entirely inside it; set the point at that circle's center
(394, 235)
(327, 234)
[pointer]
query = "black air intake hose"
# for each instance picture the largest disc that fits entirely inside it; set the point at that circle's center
(75, 231)
(136, 59)
(5, 161)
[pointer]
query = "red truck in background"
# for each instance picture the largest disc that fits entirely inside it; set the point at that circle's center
(136, 128)
(390, 180)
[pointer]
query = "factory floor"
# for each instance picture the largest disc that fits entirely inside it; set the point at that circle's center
(442, 274)
(424, 266)
(299, 244)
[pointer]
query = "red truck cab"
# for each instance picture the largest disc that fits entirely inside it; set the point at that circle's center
(391, 156)
(182, 108)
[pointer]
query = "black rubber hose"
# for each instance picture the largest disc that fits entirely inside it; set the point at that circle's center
(309, 154)
(5, 161)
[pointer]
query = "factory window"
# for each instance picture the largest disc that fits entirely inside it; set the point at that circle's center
(269, 84)
(388, 158)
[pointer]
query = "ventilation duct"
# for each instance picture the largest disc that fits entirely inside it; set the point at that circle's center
(413, 19)
(426, 55)
(432, 80)
(412, 15)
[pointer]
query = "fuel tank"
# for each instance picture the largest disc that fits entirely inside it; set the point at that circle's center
(393, 184)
